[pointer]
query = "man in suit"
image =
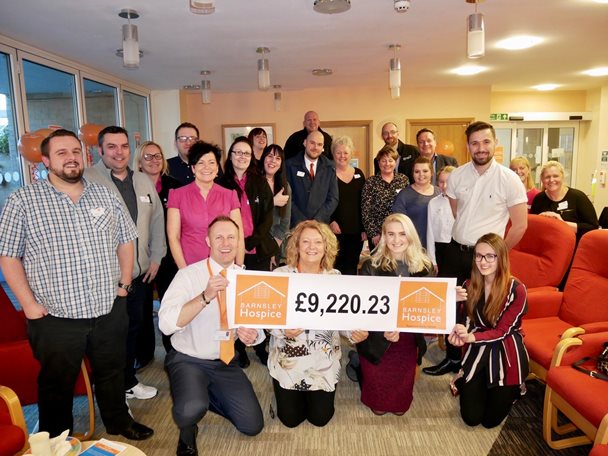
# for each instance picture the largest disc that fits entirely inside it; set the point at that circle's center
(407, 152)
(294, 144)
(314, 185)
(425, 139)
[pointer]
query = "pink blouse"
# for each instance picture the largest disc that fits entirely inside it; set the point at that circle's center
(196, 213)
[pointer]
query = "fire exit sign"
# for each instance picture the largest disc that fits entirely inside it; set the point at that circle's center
(499, 116)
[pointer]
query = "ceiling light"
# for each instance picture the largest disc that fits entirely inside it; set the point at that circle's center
(394, 68)
(546, 87)
(601, 71)
(130, 44)
(322, 72)
(277, 97)
(468, 70)
(476, 41)
(515, 43)
(601, 1)
(331, 6)
(206, 87)
(202, 6)
(263, 69)
(402, 6)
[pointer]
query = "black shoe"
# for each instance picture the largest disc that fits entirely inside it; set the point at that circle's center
(353, 366)
(243, 360)
(444, 367)
(135, 431)
(186, 450)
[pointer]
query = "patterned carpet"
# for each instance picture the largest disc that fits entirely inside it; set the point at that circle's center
(431, 427)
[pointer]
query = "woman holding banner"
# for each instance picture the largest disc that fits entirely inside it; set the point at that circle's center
(388, 360)
(495, 361)
(305, 365)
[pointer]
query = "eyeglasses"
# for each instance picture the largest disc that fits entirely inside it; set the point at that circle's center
(489, 257)
(184, 139)
(241, 153)
(150, 157)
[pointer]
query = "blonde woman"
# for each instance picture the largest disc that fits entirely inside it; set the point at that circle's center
(387, 376)
(521, 166)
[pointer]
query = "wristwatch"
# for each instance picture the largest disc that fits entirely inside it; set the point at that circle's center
(125, 286)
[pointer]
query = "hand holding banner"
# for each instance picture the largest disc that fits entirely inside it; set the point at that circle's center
(322, 301)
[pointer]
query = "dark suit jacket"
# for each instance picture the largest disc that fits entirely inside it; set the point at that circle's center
(440, 162)
(295, 144)
(408, 154)
(312, 200)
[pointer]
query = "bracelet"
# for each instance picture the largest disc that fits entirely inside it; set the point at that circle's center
(204, 299)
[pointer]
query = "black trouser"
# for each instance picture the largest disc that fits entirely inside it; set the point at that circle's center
(59, 344)
(458, 263)
(293, 406)
(482, 405)
(348, 255)
(136, 302)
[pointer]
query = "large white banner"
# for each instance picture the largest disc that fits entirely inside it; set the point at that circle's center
(322, 301)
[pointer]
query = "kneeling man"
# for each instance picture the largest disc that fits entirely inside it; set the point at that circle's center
(203, 373)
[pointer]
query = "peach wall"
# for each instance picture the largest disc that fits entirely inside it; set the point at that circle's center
(332, 104)
(559, 101)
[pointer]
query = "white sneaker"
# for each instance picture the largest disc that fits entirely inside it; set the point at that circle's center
(141, 391)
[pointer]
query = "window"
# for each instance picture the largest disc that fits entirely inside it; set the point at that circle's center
(136, 119)
(11, 176)
(101, 105)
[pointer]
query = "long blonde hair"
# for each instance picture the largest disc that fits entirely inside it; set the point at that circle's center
(521, 160)
(500, 286)
(414, 256)
(329, 241)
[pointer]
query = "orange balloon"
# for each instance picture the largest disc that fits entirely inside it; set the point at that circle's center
(29, 147)
(44, 132)
(445, 147)
(88, 133)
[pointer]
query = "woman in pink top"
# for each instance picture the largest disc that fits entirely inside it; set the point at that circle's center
(193, 207)
(521, 166)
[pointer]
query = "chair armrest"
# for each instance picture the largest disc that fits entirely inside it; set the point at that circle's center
(14, 408)
(599, 326)
(544, 304)
(572, 349)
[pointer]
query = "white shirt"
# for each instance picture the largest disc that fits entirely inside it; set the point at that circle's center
(440, 223)
(483, 200)
(197, 338)
(309, 162)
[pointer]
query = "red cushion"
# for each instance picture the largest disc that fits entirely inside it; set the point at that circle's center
(587, 286)
(541, 335)
(599, 450)
(12, 323)
(12, 439)
(589, 396)
(539, 260)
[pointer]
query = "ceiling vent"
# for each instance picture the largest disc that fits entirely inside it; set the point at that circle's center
(331, 6)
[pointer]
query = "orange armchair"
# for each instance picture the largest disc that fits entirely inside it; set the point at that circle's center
(20, 369)
(13, 431)
(542, 256)
(581, 307)
(581, 398)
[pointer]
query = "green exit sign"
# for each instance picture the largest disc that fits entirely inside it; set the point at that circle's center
(499, 116)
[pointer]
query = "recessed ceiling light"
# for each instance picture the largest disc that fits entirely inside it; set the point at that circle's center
(601, 71)
(515, 43)
(468, 70)
(545, 87)
(322, 72)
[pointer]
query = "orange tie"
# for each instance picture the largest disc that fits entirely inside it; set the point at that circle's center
(226, 346)
(312, 171)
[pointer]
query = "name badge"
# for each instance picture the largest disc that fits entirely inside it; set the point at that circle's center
(357, 176)
(300, 173)
(223, 335)
(145, 199)
(97, 212)
(562, 206)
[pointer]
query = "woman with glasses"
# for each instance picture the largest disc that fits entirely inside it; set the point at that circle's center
(259, 141)
(495, 360)
(241, 175)
(272, 166)
(193, 207)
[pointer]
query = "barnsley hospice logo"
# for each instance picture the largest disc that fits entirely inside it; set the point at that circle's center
(422, 305)
(261, 300)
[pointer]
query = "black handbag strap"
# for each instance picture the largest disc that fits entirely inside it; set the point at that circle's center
(594, 374)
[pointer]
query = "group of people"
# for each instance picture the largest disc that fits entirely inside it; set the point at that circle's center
(302, 209)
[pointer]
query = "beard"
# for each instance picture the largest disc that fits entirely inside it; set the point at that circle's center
(71, 176)
(482, 160)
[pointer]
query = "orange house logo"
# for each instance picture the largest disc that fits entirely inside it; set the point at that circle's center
(422, 305)
(261, 300)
